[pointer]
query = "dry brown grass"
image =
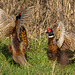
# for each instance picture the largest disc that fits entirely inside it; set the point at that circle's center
(47, 14)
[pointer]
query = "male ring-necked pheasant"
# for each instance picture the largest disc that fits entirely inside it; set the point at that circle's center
(18, 48)
(59, 42)
(19, 41)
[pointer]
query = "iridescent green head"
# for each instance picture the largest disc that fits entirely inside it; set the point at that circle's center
(50, 33)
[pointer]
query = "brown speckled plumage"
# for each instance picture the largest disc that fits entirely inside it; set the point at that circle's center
(52, 52)
(61, 42)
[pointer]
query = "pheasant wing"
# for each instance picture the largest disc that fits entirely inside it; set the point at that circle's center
(26, 21)
(59, 34)
(7, 24)
(69, 41)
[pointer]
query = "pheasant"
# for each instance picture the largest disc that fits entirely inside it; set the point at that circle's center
(52, 48)
(59, 42)
(17, 46)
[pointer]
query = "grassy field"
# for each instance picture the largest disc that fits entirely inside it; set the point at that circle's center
(36, 56)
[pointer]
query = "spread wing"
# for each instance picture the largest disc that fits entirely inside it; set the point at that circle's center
(26, 21)
(69, 41)
(7, 24)
(59, 34)
(63, 39)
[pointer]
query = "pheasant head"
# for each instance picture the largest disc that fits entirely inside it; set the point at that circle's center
(50, 33)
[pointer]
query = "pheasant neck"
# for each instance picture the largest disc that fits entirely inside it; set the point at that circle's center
(50, 41)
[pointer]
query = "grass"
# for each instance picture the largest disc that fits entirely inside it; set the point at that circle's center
(36, 56)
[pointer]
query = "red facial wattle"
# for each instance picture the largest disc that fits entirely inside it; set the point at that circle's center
(49, 30)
